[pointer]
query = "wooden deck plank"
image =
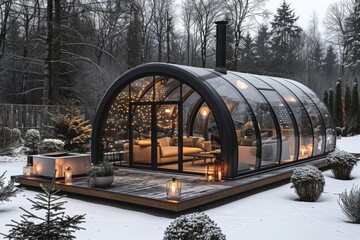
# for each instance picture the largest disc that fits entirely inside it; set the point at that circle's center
(147, 188)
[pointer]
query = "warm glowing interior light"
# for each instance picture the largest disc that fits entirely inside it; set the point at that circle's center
(167, 110)
(204, 111)
(241, 84)
(290, 99)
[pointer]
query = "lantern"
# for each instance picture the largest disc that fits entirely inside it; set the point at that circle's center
(309, 149)
(173, 189)
(219, 168)
(28, 169)
(210, 172)
(204, 111)
(303, 151)
(68, 175)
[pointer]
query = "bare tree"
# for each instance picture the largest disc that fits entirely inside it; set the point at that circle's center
(242, 14)
(206, 12)
(187, 13)
(334, 23)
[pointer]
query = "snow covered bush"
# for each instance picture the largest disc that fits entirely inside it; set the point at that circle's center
(308, 182)
(51, 145)
(32, 141)
(341, 164)
(193, 226)
(350, 203)
(9, 139)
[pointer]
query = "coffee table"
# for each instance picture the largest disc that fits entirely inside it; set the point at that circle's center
(199, 156)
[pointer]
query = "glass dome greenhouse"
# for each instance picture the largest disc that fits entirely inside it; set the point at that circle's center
(177, 118)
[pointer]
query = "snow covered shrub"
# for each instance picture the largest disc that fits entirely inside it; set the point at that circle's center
(341, 164)
(8, 140)
(51, 145)
(308, 182)
(193, 226)
(350, 203)
(32, 141)
(16, 135)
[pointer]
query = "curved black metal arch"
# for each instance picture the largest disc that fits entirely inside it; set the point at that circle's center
(180, 73)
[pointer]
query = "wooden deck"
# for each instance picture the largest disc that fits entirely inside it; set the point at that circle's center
(147, 188)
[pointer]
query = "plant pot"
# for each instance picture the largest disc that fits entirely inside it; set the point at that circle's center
(102, 181)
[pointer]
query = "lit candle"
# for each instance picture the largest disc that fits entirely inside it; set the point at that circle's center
(210, 178)
(68, 175)
(219, 176)
(173, 189)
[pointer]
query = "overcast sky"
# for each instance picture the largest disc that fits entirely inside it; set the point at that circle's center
(303, 9)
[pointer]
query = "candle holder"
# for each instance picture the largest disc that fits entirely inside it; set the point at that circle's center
(68, 175)
(28, 170)
(210, 172)
(173, 189)
(219, 168)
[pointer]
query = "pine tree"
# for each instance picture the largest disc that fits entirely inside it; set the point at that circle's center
(331, 102)
(247, 55)
(285, 40)
(352, 39)
(7, 192)
(355, 109)
(347, 109)
(134, 39)
(326, 98)
(338, 105)
(330, 62)
(263, 51)
(230, 42)
(54, 225)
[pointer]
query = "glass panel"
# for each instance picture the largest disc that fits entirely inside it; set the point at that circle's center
(329, 125)
(318, 129)
(141, 125)
(166, 89)
(188, 107)
(302, 118)
(142, 90)
(115, 130)
(167, 128)
(286, 125)
(261, 110)
(254, 81)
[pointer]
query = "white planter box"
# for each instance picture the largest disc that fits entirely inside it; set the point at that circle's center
(45, 165)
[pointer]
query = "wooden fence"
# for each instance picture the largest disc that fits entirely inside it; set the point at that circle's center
(25, 117)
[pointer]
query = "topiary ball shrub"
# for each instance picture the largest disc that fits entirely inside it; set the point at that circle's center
(51, 145)
(341, 164)
(308, 182)
(16, 136)
(350, 204)
(32, 141)
(193, 226)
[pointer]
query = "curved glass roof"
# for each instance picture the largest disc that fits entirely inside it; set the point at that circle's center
(271, 120)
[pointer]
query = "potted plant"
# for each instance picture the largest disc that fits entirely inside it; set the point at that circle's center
(341, 164)
(101, 175)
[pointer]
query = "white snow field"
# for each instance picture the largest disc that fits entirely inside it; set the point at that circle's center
(271, 214)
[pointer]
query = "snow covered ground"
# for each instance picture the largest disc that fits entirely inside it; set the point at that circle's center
(272, 214)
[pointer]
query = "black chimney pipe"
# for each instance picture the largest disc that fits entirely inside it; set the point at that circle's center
(221, 46)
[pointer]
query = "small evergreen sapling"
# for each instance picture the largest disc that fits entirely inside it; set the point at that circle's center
(7, 192)
(54, 225)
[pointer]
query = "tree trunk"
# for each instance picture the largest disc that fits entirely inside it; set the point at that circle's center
(55, 78)
(47, 66)
(4, 27)
(168, 36)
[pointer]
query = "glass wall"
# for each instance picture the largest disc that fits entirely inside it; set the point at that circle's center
(160, 122)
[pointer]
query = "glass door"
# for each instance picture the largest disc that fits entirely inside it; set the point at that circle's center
(168, 147)
(141, 141)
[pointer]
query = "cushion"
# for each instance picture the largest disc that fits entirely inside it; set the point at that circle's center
(164, 142)
(191, 150)
(187, 142)
(195, 139)
(169, 151)
(143, 143)
(200, 143)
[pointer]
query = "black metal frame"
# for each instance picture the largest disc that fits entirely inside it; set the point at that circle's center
(197, 82)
